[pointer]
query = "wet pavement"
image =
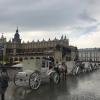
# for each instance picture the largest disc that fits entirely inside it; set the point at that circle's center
(83, 87)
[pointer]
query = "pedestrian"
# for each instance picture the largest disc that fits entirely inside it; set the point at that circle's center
(64, 70)
(56, 67)
(3, 83)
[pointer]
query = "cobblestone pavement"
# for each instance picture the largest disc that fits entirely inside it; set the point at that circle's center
(83, 87)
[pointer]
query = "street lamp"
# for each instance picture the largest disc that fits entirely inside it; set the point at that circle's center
(3, 75)
(2, 48)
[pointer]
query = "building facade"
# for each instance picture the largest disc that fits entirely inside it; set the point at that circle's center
(58, 49)
(89, 54)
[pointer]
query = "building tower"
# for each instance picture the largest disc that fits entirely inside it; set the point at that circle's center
(16, 38)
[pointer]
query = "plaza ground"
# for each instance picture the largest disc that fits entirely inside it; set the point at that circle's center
(83, 87)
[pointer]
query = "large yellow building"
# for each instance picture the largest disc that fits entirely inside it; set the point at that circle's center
(58, 49)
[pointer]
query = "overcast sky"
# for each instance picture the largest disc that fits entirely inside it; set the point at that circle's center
(79, 20)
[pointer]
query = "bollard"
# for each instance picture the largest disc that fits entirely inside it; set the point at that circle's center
(3, 83)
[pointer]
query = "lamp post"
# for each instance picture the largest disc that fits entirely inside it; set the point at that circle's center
(3, 53)
(4, 75)
(2, 49)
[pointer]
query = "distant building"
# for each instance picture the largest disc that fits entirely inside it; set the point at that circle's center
(89, 54)
(58, 49)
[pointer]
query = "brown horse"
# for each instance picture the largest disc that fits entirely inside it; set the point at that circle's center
(62, 68)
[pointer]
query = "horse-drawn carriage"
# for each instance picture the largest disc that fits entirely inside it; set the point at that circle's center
(81, 67)
(34, 71)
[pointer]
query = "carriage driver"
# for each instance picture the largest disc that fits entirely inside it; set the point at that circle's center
(56, 67)
(65, 69)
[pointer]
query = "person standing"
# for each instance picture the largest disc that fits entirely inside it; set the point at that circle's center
(3, 83)
(56, 68)
(64, 70)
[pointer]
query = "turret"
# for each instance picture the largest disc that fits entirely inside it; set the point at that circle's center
(65, 37)
(62, 37)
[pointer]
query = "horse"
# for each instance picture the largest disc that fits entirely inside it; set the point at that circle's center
(61, 68)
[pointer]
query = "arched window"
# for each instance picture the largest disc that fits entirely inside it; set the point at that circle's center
(25, 58)
(20, 59)
(31, 57)
(16, 59)
(37, 57)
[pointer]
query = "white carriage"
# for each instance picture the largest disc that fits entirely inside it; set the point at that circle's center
(34, 71)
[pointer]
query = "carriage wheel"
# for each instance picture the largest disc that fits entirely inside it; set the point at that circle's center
(56, 78)
(34, 81)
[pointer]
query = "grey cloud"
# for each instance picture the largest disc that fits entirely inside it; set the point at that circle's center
(84, 16)
(42, 14)
(38, 15)
(87, 30)
(79, 30)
